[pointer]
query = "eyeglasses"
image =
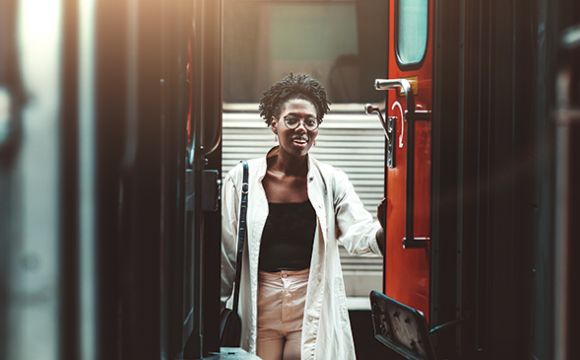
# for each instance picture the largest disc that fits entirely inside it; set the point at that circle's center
(293, 122)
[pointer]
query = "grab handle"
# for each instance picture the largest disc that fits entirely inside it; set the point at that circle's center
(370, 109)
(410, 116)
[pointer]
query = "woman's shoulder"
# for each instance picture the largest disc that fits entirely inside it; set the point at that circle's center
(236, 173)
(329, 172)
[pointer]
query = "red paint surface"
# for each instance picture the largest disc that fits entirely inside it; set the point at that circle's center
(407, 270)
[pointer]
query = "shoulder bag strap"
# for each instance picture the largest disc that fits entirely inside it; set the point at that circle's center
(241, 235)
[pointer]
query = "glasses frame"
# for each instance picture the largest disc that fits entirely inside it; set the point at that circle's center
(301, 122)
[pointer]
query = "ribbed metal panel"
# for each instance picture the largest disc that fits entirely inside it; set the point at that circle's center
(353, 143)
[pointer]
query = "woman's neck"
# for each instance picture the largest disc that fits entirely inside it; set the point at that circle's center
(289, 165)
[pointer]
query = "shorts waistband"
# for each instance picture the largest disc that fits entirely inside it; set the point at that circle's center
(300, 274)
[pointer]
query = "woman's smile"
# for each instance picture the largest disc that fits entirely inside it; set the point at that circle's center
(301, 141)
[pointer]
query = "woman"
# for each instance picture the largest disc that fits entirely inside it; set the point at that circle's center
(292, 299)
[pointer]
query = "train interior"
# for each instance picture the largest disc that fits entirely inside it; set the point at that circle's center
(119, 118)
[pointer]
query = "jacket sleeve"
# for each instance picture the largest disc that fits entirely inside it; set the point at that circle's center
(356, 230)
(229, 237)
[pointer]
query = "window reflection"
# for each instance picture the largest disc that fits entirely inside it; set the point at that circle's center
(340, 43)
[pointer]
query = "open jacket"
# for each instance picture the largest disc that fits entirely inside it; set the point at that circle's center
(341, 219)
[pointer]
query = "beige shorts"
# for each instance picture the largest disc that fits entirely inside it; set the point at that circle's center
(281, 298)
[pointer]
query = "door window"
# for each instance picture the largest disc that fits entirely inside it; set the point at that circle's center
(411, 31)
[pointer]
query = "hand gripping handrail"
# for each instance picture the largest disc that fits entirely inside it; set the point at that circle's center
(410, 116)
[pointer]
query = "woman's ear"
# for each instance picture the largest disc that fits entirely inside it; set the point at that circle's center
(274, 125)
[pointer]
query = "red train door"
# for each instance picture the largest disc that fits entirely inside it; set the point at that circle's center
(409, 103)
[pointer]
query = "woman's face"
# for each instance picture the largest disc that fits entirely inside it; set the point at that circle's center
(298, 141)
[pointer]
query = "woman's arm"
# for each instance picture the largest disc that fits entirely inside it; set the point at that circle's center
(357, 231)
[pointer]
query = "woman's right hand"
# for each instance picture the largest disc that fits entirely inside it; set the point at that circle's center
(382, 212)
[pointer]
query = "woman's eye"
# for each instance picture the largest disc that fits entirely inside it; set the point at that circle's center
(291, 120)
(310, 123)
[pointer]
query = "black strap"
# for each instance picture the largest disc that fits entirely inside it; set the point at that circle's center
(241, 235)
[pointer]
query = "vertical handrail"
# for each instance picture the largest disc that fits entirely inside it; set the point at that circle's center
(212, 77)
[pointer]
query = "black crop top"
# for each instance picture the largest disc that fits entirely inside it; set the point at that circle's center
(288, 237)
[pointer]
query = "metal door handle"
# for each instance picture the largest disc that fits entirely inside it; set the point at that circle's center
(411, 115)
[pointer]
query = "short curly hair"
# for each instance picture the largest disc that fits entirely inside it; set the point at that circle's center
(299, 86)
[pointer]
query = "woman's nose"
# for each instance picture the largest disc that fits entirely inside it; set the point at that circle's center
(301, 127)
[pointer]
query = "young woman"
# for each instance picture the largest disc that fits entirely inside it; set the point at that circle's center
(292, 299)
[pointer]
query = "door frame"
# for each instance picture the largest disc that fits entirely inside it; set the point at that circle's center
(447, 174)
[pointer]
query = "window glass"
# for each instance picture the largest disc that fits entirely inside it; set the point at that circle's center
(411, 30)
(340, 43)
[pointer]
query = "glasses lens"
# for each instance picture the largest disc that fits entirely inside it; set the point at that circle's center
(311, 124)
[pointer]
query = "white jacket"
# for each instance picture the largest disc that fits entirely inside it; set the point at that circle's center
(341, 218)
